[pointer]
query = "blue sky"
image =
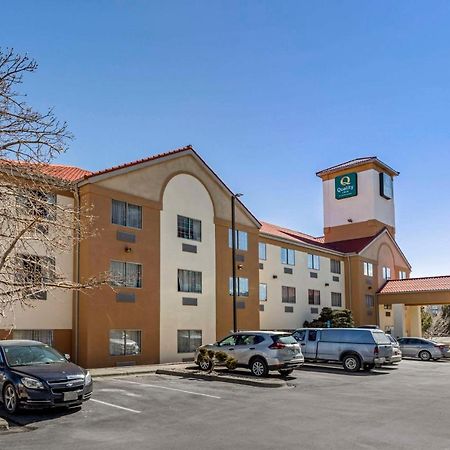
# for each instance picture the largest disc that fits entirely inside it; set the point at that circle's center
(267, 92)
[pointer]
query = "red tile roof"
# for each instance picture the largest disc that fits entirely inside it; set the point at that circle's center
(426, 284)
(355, 163)
(348, 246)
(66, 173)
(140, 161)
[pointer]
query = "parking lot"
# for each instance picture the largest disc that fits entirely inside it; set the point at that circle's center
(406, 407)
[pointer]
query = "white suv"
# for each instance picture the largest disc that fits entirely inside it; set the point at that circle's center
(259, 351)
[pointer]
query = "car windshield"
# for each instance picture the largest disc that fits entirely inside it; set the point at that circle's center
(30, 355)
(381, 338)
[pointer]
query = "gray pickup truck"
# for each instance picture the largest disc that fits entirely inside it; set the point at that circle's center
(355, 348)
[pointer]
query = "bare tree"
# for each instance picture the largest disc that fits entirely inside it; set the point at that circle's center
(35, 227)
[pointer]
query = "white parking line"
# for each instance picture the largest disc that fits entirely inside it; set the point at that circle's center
(168, 388)
(115, 406)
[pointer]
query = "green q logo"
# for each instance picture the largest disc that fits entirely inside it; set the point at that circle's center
(345, 181)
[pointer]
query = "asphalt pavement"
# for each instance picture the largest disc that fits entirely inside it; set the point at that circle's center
(322, 407)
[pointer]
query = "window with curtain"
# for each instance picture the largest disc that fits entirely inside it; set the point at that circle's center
(126, 214)
(336, 299)
(335, 266)
(189, 340)
(126, 274)
(189, 228)
(313, 297)
(288, 294)
(44, 336)
(288, 256)
(189, 281)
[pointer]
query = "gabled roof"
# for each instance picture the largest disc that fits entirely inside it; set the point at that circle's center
(425, 284)
(139, 161)
(355, 163)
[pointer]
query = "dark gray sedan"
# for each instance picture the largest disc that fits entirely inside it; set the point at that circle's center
(424, 349)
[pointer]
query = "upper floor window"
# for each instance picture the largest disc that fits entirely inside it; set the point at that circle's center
(241, 287)
(38, 203)
(335, 266)
(189, 281)
(368, 269)
(262, 248)
(241, 239)
(386, 273)
(288, 256)
(288, 294)
(126, 214)
(402, 275)
(313, 297)
(262, 292)
(313, 262)
(35, 271)
(126, 274)
(189, 228)
(370, 301)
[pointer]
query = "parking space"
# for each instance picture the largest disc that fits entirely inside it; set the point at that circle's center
(322, 407)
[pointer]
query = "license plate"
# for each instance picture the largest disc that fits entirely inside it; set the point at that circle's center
(70, 396)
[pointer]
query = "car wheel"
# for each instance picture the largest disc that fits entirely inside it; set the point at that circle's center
(205, 364)
(285, 372)
(259, 367)
(425, 355)
(10, 401)
(351, 363)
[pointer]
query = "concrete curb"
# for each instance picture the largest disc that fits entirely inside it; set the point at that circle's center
(128, 370)
(122, 373)
(4, 425)
(223, 378)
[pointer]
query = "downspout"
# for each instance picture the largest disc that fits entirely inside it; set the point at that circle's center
(77, 276)
(349, 283)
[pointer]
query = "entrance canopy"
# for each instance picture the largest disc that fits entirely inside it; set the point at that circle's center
(416, 291)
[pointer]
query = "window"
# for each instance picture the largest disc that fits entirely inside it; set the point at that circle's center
(262, 292)
(368, 269)
(44, 336)
(189, 340)
(126, 274)
(189, 228)
(124, 342)
(189, 281)
(126, 214)
(262, 251)
(241, 286)
(313, 297)
(36, 272)
(39, 204)
(241, 239)
(402, 275)
(288, 256)
(335, 266)
(386, 273)
(313, 262)
(336, 299)
(312, 335)
(288, 294)
(249, 339)
(370, 301)
(228, 341)
(299, 335)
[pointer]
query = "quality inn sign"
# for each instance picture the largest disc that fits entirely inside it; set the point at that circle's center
(346, 185)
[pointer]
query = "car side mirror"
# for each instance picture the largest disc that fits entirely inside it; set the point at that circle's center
(67, 356)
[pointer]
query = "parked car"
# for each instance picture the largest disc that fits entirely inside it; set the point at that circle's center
(34, 375)
(425, 349)
(355, 348)
(259, 351)
(397, 355)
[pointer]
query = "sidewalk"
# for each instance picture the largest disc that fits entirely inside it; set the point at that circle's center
(135, 370)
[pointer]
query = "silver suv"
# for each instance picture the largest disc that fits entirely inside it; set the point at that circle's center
(259, 351)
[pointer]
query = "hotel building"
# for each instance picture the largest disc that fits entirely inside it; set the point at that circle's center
(165, 234)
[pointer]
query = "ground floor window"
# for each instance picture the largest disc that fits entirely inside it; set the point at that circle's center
(313, 297)
(124, 342)
(336, 299)
(189, 340)
(44, 336)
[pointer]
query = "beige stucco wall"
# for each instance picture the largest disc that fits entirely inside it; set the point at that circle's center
(55, 312)
(186, 196)
(274, 315)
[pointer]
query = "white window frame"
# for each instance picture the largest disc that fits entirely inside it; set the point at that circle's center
(313, 261)
(287, 256)
(368, 269)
